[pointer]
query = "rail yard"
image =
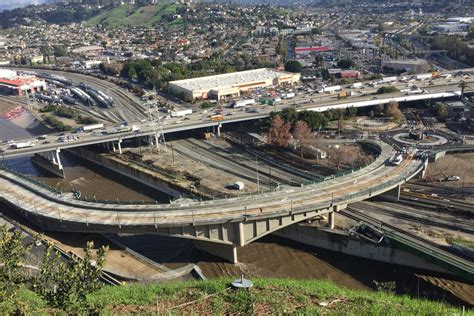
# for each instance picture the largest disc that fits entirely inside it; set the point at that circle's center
(228, 185)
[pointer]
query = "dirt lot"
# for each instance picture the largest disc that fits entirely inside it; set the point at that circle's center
(6, 106)
(457, 165)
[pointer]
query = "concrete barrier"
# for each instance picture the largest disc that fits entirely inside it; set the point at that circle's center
(150, 179)
(341, 241)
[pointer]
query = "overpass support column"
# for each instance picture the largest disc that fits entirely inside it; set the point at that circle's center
(119, 145)
(393, 194)
(113, 147)
(58, 160)
(49, 162)
(219, 130)
(157, 140)
(227, 252)
(331, 220)
(331, 214)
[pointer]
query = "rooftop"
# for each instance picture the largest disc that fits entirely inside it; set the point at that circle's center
(229, 80)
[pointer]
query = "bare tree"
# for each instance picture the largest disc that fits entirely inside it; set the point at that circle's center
(341, 156)
(340, 121)
(279, 133)
(394, 112)
(303, 136)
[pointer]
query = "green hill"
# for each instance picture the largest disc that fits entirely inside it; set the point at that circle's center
(137, 16)
(268, 296)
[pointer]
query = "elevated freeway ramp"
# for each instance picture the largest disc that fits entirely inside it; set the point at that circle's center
(227, 223)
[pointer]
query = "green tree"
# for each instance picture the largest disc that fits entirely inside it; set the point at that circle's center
(293, 66)
(12, 256)
(315, 120)
(59, 51)
(387, 89)
(289, 115)
(345, 63)
(442, 111)
(66, 285)
(318, 61)
(282, 48)
(345, 81)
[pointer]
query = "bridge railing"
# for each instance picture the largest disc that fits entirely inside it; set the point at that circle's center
(30, 179)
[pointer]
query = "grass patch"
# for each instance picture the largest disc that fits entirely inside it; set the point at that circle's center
(464, 243)
(269, 296)
(124, 15)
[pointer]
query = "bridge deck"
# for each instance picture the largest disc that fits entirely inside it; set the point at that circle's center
(38, 202)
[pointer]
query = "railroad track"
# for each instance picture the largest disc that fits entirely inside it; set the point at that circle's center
(275, 162)
(227, 165)
(298, 168)
(433, 220)
(416, 242)
(276, 173)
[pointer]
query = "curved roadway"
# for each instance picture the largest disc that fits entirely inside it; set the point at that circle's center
(374, 179)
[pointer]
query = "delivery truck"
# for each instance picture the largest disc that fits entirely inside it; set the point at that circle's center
(181, 113)
(330, 89)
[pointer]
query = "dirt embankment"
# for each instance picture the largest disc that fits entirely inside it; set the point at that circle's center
(453, 165)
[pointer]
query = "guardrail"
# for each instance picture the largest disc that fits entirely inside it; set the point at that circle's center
(31, 179)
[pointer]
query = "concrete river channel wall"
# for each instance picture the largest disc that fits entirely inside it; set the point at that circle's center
(342, 241)
(135, 172)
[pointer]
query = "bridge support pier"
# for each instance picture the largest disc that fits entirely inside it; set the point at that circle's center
(49, 162)
(119, 145)
(331, 214)
(218, 133)
(393, 195)
(331, 220)
(224, 251)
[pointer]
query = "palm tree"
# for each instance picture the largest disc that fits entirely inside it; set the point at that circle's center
(462, 84)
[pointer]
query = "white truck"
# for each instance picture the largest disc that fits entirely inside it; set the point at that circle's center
(181, 113)
(22, 145)
(290, 95)
(90, 128)
(424, 76)
(414, 91)
(329, 89)
(357, 85)
(388, 79)
(242, 103)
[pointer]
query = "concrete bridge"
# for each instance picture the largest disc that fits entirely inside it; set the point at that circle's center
(49, 148)
(219, 226)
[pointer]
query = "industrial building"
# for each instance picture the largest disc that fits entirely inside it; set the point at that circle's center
(12, 83)
(231, 85)
(410, 66)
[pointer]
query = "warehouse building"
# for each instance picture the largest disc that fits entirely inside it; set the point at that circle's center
(12, 83)
(231, 85)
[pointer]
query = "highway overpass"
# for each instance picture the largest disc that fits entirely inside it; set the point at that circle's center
(200, 120)
(219, 226)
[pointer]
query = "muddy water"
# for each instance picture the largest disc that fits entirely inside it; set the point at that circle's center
(91, 180)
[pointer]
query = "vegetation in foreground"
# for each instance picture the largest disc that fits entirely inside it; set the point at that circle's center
(276, 296)
(72, 287)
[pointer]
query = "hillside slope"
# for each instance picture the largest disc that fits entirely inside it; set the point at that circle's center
(268, 296)
(131, 15)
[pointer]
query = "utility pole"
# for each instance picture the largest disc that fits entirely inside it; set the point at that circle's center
(172, 152)
(258, 180)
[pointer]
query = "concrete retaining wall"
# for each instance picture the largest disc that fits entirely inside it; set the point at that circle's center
(46, 165)
(128, 170)
(340, 241)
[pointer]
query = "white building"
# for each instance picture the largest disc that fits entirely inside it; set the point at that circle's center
(232, 84)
